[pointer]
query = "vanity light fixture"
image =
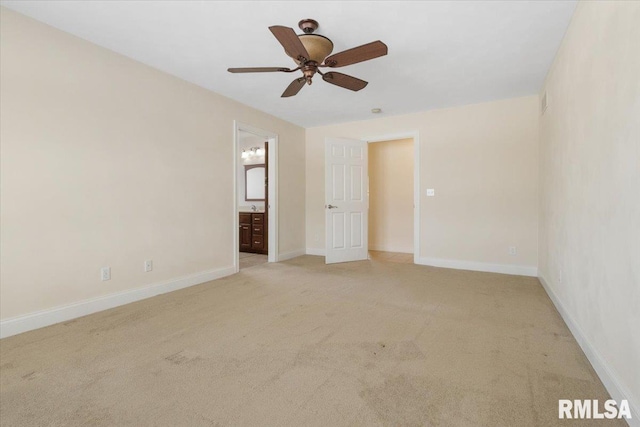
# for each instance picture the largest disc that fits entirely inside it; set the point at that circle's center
(252, 152)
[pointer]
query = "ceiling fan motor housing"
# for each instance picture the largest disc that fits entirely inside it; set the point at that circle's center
(308, 26)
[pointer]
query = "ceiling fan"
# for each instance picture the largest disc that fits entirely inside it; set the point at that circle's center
(311, 52)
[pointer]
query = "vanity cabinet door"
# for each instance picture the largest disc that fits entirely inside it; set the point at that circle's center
(245, 237)
(245, 232)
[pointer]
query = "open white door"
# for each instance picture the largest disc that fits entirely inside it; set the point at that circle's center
(347, 200)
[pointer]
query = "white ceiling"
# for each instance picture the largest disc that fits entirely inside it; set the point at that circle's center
(441, 53)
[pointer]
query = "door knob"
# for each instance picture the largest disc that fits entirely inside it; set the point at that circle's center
(331, 207)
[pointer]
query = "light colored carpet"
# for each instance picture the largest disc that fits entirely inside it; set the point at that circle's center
(248, 260)
(300, 343)
(391, 257)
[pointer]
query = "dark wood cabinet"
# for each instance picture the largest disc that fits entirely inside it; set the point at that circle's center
(245, 232)
(253, 234)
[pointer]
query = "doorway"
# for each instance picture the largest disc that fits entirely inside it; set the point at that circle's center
(391, 203)
(255, 197)
(347, 197)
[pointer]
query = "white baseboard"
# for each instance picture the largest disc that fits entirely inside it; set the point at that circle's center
(315, 251)
(384, 248)
(520, 270)
(40, 319)
(608, 378)
(290, 255)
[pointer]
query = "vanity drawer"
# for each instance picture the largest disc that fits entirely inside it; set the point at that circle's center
(245, 218)
(257, 242)
(258, 230)
(257, 219)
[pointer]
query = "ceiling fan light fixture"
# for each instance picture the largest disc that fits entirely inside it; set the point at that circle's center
(318, 47)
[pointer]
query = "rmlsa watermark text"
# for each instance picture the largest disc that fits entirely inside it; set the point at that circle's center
(591, 409)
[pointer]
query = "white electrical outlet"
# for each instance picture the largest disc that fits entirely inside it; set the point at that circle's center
(105, 273)
(148, 265)
(513, 251)
(431, 192)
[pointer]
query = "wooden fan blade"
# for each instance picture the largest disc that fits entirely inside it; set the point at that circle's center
(344, 81)
(357, 54)
(294, 87)
(290, 41)
(257, 69)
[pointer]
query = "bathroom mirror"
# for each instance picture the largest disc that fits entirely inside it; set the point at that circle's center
(254, 180)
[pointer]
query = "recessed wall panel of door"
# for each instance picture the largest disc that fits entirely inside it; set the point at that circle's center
(356, 224)
(339, 182)
(356, 179)
(338, 220)
(338, 151)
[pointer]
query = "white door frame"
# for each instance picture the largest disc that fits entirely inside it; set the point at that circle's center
(416, 181)
(272, 209)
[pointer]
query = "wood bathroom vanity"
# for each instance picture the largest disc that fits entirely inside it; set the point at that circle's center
(253, 232)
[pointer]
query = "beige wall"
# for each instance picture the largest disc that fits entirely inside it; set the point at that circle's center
(590, 184)
(108, 162)
(482, 161)
(391, 196)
